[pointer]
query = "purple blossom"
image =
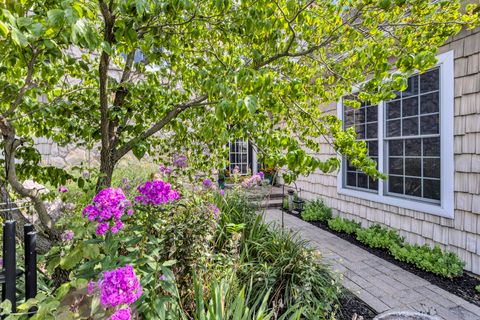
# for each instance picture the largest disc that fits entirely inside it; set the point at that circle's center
(125, 183)
(221, 192)
(261, 175)
(117, 226)
(165, 170)
(163, 278)
(90, 287)
(121, 314)
(180, 161)
(107, 208)
(62, 189)
(207, 183)
(252, 181)
(67, 235)
(119, 286)
(214, 209)
(156, 192)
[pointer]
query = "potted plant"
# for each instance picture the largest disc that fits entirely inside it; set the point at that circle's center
(270, 174)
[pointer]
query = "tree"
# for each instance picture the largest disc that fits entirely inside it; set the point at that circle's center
(159, 74)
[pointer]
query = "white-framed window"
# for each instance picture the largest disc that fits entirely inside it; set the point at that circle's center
(239, 154)
(411, 138)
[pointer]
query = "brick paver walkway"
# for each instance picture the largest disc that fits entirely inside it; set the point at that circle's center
(379, 283)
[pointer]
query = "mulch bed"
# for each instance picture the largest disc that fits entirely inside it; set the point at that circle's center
(463, 286)
(351, 305)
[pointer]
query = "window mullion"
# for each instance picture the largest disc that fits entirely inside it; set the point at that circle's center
(381, 147)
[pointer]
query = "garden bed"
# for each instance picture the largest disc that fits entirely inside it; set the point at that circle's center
(350, 305)
(463, 286)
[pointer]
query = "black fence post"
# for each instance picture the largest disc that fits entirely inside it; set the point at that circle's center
(9, 263)
(30, 264)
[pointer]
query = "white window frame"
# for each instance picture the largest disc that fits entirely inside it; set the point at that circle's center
(446, 207)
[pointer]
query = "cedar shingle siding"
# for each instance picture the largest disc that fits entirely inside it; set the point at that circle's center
(461, 234)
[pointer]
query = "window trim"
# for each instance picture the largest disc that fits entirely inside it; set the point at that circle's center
(447, 104)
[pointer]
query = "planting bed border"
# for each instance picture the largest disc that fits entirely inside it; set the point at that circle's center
(463, 286)
(350, 305)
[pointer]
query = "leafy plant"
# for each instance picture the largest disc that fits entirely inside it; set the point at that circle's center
(377, 237)
(443, 263)
(280, 262)
(316, 211)
(343, 225)
(477, 288)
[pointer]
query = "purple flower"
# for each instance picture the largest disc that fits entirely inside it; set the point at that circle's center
(117, 226)
(213, 208)
(67, 235)
(125, 183)
(121, 314)
(107, 207)
(163, 278)
(207, 183)
(91, 286)
(168, 171)
(62, 189)
(130, 212)
(156, 192)
(180, 161)
(221, 192)
(119, 286)
(86, 174)
(261, 175)
(102, 228)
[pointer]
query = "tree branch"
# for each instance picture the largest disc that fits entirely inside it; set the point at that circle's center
(179, 108)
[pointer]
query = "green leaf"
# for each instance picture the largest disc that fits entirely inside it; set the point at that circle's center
(3, 29)
(19, 38)
(56, 16)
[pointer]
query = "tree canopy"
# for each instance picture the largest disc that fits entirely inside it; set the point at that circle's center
(170, 75)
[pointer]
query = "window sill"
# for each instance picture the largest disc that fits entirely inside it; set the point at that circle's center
(445, 211)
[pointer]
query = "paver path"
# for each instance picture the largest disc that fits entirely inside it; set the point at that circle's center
(381, 284)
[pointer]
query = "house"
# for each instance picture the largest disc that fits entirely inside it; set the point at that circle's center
(427, 141)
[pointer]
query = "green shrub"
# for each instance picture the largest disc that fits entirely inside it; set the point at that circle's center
(477, 288)
(343, 225)
(445, 264)
(316, 211)
(377, 237)
(280, 262)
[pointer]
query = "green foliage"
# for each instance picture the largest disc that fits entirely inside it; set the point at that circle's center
(377, 237)
(280, 262)
(442, 263)
(316, 211)
(477, 288)
(344, 225)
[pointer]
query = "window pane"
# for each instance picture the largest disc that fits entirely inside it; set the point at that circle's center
(372, 113)
(393, 128)
(393, 109)
(373, 148)
(372, 184)
(429, 80)
(360, 115)
(395, 166)
(431, 167)
(429, 124)
(395, 184)
(360, 130)
(410, 107)
(412, 87)
(413, 187)
(429, 103)
(372, 130)
(413, 147)
(431, 147)
(362, 180)
(349, 118)
(395, 147)
(352, 179)
(431, 189)
(410, 126)
(413, 167)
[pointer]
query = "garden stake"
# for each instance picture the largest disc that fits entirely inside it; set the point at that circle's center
(9, 261)
(30, 265)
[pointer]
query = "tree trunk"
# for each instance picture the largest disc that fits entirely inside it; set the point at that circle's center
(107, 164)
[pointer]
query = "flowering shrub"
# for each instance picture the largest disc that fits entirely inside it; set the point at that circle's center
(252, 181)
(180, 161)
(107, 209)
(156, 192)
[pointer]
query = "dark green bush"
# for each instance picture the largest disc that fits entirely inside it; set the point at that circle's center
(377, 237)
(343, 225)
(316, 211)
(445, 264)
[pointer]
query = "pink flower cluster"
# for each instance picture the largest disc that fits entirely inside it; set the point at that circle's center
(156, 192)
(118, 287)
(252, 181)
(107, 209)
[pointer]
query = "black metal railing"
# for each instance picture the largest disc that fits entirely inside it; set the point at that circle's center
(9, 274)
